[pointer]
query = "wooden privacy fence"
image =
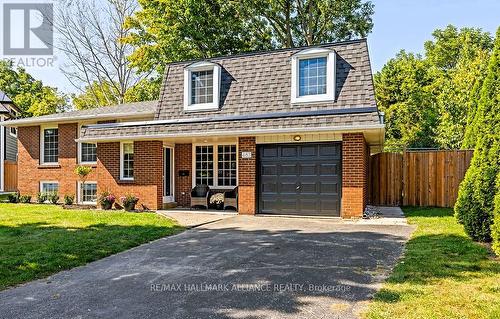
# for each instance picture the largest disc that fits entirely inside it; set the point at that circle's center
(10, 176)
(417, 178)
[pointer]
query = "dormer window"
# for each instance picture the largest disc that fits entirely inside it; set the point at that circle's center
(313, 76)
(201, 86)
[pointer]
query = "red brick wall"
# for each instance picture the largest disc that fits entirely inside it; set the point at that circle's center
(183, 161)
(247, 170)
(354, 175)
(31, 173)
(148, 172)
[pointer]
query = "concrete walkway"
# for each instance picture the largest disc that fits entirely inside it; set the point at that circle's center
(238, 267)
(190, 219)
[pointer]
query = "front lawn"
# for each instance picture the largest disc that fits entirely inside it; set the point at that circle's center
(443, 274)
(38, 240)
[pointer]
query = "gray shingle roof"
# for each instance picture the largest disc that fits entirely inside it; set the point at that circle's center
(130, 109)
(257, 83)
(254, 126)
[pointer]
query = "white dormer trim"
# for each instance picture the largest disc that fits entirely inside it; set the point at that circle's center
(202, 66)
(330, 75)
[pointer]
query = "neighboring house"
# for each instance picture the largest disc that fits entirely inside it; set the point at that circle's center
(8, 140)
(292, 128)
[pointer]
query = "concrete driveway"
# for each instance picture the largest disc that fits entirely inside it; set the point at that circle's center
(239, 267)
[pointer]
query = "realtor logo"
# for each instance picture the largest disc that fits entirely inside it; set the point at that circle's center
(28, 29)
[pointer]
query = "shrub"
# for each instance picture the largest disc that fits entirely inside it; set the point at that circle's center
(495, 228)
(25, 199)
(474, 206)
(53, 198)
(69, 199)
(13, 198)
(41, 198)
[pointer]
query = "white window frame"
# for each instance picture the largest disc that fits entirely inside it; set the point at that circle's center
(121, 161)
(202, 66)
(13, 134)
(330, 75)
(42, 146)
(79, 149)
(80, 193)
(48, 182)
(216, 164)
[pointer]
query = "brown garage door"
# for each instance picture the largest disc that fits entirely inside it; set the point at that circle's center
(300, 179)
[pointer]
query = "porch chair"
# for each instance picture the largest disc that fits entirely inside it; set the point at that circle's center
(199, 196)
(231, 199)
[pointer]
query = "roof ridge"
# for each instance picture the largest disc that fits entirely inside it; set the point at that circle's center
(262, 52)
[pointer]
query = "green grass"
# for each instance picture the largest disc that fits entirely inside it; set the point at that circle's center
(443, 273)
(39, 240)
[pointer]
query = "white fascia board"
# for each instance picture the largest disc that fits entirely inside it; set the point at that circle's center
(37, 121)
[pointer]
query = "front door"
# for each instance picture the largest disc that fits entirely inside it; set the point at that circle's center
(168, 182)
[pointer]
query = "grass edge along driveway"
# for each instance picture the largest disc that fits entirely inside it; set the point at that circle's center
(443, 274)
(39, 240)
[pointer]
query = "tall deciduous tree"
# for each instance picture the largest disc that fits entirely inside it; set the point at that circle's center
(430, 99)
(30, 95)
(404, 93)
(90, 34)
(170, 30)
(308, 22)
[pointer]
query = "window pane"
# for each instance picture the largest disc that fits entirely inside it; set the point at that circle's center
(89, 152)
(50, 145)
(50, 188)
(202, 87)
(312, 76)
(89, 193)
(128, 160)
(226, 166)
(204, 165)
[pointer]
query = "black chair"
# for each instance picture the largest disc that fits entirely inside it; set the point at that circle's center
(231, 199)
(199, 196)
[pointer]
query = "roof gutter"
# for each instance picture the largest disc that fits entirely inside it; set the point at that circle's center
(261, 116)
(235, 133)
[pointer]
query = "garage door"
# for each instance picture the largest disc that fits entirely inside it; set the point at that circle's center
(300, 179)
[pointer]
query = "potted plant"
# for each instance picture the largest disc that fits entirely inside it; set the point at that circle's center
(129, 202)
(217, 200)
(106, 200)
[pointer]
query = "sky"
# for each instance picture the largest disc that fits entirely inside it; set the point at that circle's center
(398, 24)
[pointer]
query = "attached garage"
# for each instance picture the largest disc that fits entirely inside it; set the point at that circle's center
(300, 179)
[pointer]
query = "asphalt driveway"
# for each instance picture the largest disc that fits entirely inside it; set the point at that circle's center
(239, 267)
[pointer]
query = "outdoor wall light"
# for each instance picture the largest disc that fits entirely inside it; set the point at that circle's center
(297, 138)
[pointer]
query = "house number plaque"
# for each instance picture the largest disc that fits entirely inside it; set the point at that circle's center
(246, 154)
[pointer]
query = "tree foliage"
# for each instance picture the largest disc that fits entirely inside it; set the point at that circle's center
(429, 99)
(30, 95)
(475, 203)
(89, 35)
(100, 94)
(172, 30)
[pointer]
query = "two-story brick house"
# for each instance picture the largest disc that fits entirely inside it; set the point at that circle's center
(292, 128)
